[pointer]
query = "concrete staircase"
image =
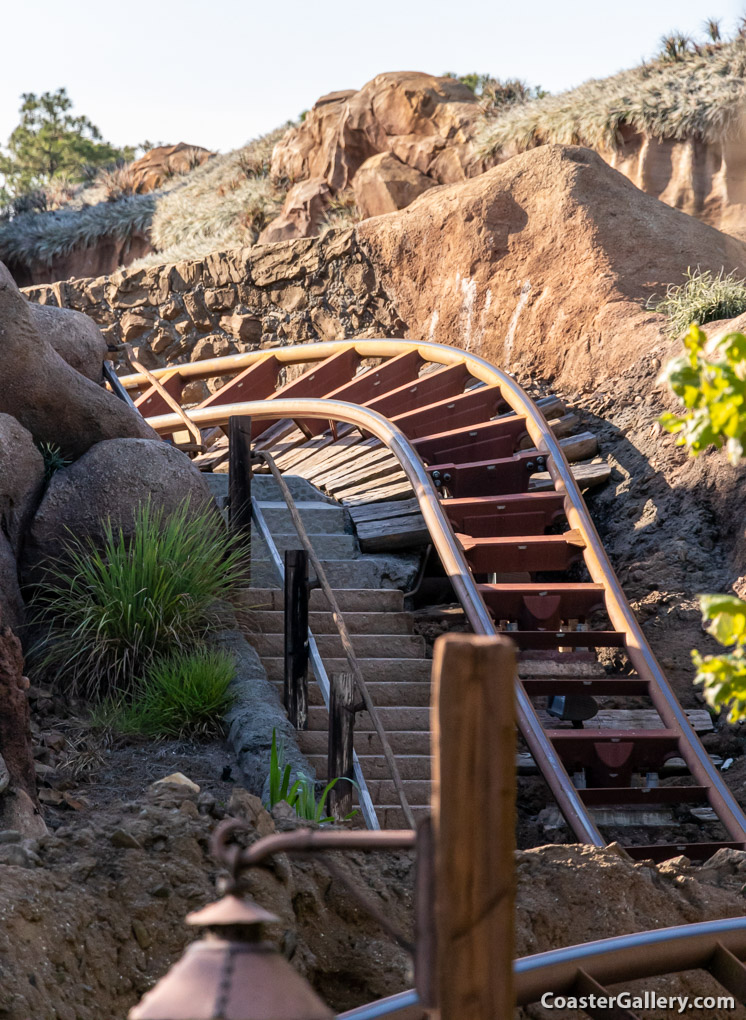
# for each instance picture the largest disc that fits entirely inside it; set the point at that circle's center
(392, 657)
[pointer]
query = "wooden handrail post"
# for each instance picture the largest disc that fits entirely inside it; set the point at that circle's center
(473, 814)
(341, 734)
(239, 484)
(295, 689)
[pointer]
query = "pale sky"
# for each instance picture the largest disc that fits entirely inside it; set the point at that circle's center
(219, 72)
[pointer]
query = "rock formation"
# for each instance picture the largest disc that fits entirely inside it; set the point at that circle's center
(47, 395)
(163, 162)
(110, 482)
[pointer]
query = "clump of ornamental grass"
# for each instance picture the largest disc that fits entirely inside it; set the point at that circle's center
(184, 694)
(108, 610)
(704, 297)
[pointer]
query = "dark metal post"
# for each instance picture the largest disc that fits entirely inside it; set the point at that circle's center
(239, 484)
(341, 734)
(295, 690)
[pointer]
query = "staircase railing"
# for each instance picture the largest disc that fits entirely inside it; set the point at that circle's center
(317, 663)
(344, 636)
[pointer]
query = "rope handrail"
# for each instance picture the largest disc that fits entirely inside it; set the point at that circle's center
(344, 635)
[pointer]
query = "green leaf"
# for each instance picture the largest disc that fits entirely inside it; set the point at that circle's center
(725, 618)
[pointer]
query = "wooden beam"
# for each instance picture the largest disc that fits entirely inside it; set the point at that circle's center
(473, 807)
(341, 734)
(239, 484)
(295, 690)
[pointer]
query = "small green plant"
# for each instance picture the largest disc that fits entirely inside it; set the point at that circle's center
(183, 694)
(301, 795)
(53, 459)
(713, 391)
(108, 612)
(704, 297)
(711, 383)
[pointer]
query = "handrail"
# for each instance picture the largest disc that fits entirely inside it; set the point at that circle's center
(451, 556)
(175, 406)
(344, 635)
(614, 960)
(317, 664)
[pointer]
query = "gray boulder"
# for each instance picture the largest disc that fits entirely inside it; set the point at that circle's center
(49, 397)
(110, 481)
(21, 480)
(75, 336)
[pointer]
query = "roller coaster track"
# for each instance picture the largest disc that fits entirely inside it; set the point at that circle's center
(454, 426)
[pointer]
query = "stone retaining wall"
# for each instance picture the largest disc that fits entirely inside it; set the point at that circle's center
(292, 292)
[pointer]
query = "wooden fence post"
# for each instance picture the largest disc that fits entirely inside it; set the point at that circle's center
(341, 734)
(239, 484)
(295, 690)
(473, 814)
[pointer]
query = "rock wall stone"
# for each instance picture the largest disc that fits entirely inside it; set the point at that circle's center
(249, 298)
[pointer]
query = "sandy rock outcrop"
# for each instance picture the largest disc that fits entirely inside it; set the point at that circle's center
(427, 122)
(76, 338)
(421, 121)
(384, 184)
(543, 264)
(45, 394)
(110, 482)
(164, 161)
(302, 212)
(105, 256)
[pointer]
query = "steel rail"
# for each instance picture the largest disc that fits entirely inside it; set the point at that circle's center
(449, 550)
(627, 957)
(599, 567)
(317, 665)
(614, 960)
(344, 636)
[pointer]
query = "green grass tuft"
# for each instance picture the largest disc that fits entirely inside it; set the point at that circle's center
(108, 613)
(183, 694)
(704, 297)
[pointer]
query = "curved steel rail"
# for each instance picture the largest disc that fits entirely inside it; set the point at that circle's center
(597, 562)
(717, 946)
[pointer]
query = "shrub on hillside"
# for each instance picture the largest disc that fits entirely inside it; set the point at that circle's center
(704, 297)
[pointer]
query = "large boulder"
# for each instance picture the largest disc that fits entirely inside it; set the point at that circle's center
(21, 480)
(75, 337)
(302, 212)
(426, 121)
(46, 395)
(11, 601)
(163, 162)
(109, 482)
(544, 264)
(384, 184)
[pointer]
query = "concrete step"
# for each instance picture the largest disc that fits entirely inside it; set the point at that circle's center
(326, 547)
(366, 646)
(383, 791)
(411, 766)
(378, 571)
(381, 670)
(383, 694)
(391, 816)
(265, 489)
(273, 622)
(351, 600)
(366, 743)
(318, 518)
(394, 719)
